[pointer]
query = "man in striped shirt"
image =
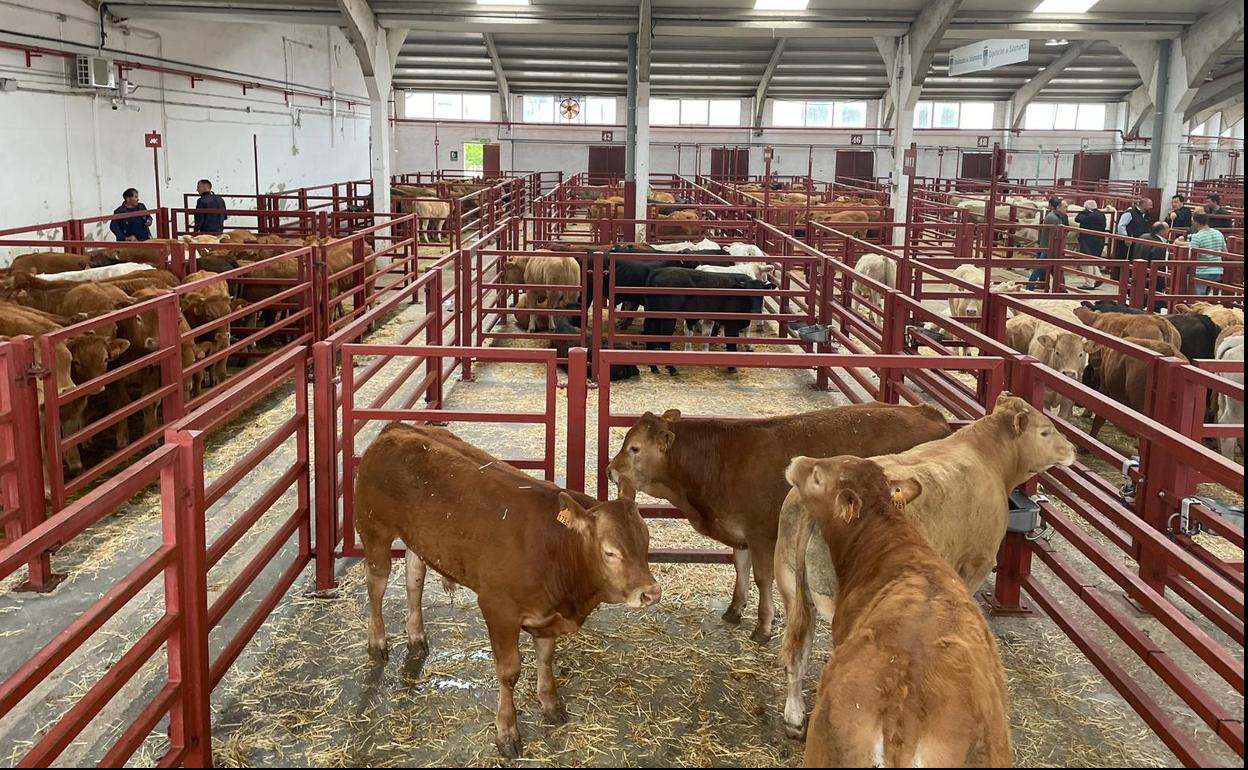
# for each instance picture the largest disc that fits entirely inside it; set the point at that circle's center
(1205, 237)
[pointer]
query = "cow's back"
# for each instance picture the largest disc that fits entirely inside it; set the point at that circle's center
(469, 515)
(751, 455)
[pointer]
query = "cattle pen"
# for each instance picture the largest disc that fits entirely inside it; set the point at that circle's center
(202, 599)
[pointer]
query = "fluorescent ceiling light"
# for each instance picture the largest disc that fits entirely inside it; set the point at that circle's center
(781, 5)
(1065, 6)
(502, 2)
(1056, 41)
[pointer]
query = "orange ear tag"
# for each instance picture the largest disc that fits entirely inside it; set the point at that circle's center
(899, 502)
(565, 517)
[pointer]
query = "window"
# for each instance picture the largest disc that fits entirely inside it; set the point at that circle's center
(812, 114)
(539, 109)
(447, 106)
(1064, 117)
(593, 110)
(725, 112)
(953, 115)
(695, 112)
(976, 115)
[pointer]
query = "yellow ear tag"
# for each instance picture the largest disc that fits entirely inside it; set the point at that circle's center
(899, 502)
(565, 517)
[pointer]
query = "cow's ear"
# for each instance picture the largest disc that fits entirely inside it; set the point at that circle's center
(848, 504)
(117, 346)
(666, 439)
(1088, 346)
(1047, 340)
(1021, 421)
(573, 516)
(671, 415)
(904, 491)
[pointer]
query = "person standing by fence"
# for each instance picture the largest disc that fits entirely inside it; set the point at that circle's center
(135, 228)
(1204, 239)
(205, 223)
(1133, 223)
(1050, 237)
(1180, 215)
(1092, 243)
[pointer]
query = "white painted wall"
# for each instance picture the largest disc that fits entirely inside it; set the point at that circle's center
(69, 154)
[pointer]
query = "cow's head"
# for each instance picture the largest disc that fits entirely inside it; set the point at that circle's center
(616, 545)
(1066, 353)
(1038, 444)
(91, 353)
(642, 458)
(513, 270)
(839, 491)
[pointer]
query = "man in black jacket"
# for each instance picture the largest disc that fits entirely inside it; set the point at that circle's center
(1093, 220)
(131, 228)
(1219, 215)
(1133, 223)
(1158, 253)
(1180, 214)
(211, 224)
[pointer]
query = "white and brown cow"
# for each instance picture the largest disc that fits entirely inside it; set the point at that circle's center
(964, 521)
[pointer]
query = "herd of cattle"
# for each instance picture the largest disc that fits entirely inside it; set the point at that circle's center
(903, 542)
(432, 205)
(540, 275)
(44, 292)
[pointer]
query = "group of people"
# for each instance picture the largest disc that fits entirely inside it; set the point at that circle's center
(139, 228)
(1204, 234)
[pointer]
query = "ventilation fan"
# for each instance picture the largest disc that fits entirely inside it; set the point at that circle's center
(569, 108)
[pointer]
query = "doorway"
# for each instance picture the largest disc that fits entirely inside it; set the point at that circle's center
(474, 158)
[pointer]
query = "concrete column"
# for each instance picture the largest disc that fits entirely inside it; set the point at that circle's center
(641, 152)
(906, 97)
(1171, 101)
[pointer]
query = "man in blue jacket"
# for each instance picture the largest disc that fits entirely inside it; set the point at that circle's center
(136, 228)
(213, 224)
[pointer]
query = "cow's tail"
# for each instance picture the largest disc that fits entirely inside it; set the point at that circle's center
(798, 625)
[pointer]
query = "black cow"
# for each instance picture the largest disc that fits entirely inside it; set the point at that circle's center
(693, 304)
(631, 273)
(1199, 334)
(1110, 306)
(572, 325)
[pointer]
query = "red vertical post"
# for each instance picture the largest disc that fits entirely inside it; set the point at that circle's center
(186, 595)
(24, 491)
(577, 397)
(325, 436)
(255, 159)
(173, 405)
(1014, 555)
(156, 172)
(433, 338)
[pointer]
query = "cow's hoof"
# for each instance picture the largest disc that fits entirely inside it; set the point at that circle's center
(417, 648)
(671, 370)
(760, 636)
(509, 746)
(732, 615)
(732, 370)
(797, 733)
(378, 654)
(556, 715)
(654, 370)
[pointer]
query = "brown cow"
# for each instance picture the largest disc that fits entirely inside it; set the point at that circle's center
(80, 359)
(545, 271)
(608, 207)
(1122, 376)
(964, 522)
(202, 306)
(539, 559)
(57, 262)
(915, 679)
(679, 226)
(1147, 326)
(727, 476)
(843, 220)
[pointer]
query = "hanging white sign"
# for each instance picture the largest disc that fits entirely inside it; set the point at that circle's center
(987, 54)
